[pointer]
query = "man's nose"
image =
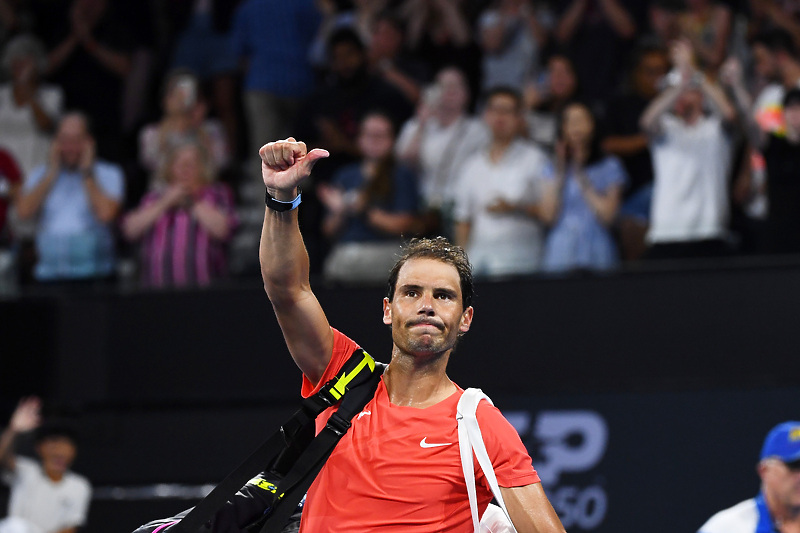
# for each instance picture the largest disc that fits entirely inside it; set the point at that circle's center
(426, 305)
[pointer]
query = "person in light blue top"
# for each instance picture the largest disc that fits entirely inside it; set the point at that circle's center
(583, 198)
(75, 199)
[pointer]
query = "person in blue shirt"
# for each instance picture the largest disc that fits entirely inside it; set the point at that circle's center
(75, 199)
(777, 506)
(583, 198)
(370, 205)
(278, 74)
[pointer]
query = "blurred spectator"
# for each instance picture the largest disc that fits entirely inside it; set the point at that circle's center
(371, 206)
(546, 99)
(781, 152)
(184, 120)
(203, 46)
(439, 34)
(498, 204)
(76, 199)
(389, 60)
(707, 26)
(766, 15)
(28, 110)
(595, 34)
(46, 496)
(10, 181)
(358, 15)
(691, 159)
(90, 59)
(331, 116)
(583, 198)
(184, 225)
(441, 136)
(777, 506)
(777, 70)
(511, 35)
(625, 139)
(278, 73)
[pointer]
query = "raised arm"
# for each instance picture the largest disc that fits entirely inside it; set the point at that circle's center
(660, 105)
(284, 260)
(26, 418)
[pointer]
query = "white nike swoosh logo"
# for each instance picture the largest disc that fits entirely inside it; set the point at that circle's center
(426, 444)
(363, 413)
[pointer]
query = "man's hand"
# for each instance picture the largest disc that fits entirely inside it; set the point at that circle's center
(285, 164)
(87, 157)
(27, 415)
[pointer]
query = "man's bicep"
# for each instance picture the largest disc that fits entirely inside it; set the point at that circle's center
(307, 333)
(530, 510)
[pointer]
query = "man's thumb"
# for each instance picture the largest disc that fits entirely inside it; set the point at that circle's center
(313, 156)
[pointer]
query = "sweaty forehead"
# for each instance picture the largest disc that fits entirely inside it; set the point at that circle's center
(426, 272)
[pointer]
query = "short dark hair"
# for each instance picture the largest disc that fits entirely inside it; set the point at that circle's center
(345, 36)
(56, 429)
(504, 90)
(776, 40)
(441, 249)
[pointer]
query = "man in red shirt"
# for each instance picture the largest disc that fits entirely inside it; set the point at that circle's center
(398, 467)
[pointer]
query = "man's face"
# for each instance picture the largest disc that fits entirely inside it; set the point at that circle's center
(387, 40)
(346, 60)
(649, 72)
(72, 139)
(765, 63)
(689, 103)
(502, 115)
(426, 313)
(57, 454)
(562, 77)
(455, 94)
(781, 481)
(791, 115)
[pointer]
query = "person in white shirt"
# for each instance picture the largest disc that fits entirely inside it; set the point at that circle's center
(691, 159)
(29, 111)
(498, 209)
(440, 137)
(777, 506)
(46, 496)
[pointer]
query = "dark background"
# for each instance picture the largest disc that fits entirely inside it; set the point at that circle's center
(688, 368)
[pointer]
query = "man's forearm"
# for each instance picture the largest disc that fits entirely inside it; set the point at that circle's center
(105, 208)
(29, 203)
(658, 107)
(7, 448)
(283, 255)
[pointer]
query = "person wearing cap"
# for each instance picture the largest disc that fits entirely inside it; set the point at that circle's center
(777, 506)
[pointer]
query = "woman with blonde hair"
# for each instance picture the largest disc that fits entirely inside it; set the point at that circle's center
(184, 226)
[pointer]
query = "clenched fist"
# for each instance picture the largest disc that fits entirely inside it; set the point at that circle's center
(284, 164)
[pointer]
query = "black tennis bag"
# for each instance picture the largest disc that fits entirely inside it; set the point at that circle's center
(265, 494)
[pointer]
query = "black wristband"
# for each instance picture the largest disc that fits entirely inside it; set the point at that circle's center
(278, 205)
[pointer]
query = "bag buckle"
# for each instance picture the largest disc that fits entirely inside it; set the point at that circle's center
(338, 424)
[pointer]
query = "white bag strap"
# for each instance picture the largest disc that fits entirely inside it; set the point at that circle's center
(470, 439)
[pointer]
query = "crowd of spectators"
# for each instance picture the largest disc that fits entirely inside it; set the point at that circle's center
(545, 136)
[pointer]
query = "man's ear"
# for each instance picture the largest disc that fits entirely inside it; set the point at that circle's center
(387, 312)
(466, 320)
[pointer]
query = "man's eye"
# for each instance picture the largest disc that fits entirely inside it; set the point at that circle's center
(411, 293)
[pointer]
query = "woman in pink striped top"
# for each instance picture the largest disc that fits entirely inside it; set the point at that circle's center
(184, 227)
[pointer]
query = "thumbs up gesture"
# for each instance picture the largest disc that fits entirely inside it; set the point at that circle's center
(285, 164)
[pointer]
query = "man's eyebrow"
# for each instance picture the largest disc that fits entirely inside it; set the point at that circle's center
(410, 286)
